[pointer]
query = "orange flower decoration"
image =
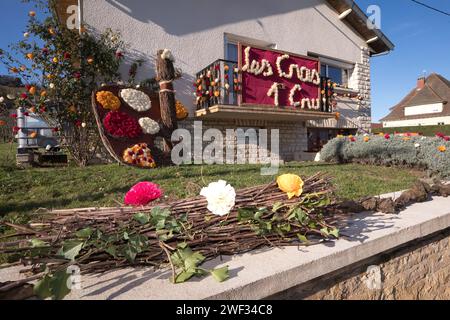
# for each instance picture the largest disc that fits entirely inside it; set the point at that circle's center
(30, 56)
(43, 93)
(2, 123)
(366, 139)
(108, 100)
(182, 112)
(139, 155)
(14, 70)
(291, 184)
(32, 90)
(337, 115)
(90, 60)
(442, 148)
(33, 135)
(32, 13)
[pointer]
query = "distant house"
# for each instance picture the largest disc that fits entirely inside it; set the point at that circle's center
(426, 105)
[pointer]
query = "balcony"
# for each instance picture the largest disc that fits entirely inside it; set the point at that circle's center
(218, 96)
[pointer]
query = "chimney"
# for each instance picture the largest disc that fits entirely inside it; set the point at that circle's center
(420, 83)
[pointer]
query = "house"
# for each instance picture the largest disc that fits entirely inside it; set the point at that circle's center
(335, 35)
(426, 105)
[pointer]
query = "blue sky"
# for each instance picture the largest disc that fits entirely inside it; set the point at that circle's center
(421, 36)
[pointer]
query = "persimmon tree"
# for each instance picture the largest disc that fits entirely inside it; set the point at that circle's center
(61, 68)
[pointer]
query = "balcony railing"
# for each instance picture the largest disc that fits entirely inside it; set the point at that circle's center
(218, 84)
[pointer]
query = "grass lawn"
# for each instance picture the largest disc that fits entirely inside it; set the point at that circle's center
(25, 191)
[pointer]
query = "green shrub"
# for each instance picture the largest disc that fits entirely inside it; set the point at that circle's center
(429, 131)
(418, 152)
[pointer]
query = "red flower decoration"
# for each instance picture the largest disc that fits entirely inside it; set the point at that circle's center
(78, 123)
(23, 96)
(387, 136)
(26, 114)
(353, 139)
(440, 135)
(55, 130)
(14, 116)
(77, 75)
(142, 194)
(16, 129)
(446, 138)
(120, 124)
(119, 54)
(67, 55)
(28, 87)
(45, 51)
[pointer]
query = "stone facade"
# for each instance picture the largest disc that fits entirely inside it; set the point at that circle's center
(360, 80)
(292, 136)
(419, 270)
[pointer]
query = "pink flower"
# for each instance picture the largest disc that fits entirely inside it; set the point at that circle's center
(440, 135)
(446, 138)
(387, 136)
(142, 194)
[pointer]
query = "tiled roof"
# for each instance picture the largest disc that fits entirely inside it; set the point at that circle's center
(436, 90)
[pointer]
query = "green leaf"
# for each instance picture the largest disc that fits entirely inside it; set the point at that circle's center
(126, 236)
(142, 218)
(71, 249)
(335, 232)
(192, 261)
(111, 250)
(245, 214)
(220, 274)
(42, 288)
(302, 238)
(58, 285)
(184, 276)
(325, 231)
(36, 243)
(85, 233)
(277, 206)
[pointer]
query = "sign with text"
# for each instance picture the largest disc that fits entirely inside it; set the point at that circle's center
(271, 77)
(67, 12)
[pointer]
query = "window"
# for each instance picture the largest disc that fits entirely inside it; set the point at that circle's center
(232, 40)
(336, 74)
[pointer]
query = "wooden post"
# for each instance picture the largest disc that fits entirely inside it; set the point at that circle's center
(166, 75)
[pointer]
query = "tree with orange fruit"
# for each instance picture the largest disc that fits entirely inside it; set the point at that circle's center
(61, 68)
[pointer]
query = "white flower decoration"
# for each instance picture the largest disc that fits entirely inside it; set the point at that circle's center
(136, 99)
(2, 99)
(149, 126)
(167, 55)
(417, 145)
(221, 197)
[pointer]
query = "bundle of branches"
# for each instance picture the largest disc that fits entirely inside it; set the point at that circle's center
(181, 235)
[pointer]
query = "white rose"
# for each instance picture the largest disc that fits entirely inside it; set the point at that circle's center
(136, 99)
(2, 99)
(26, 35)
(52, 86)
(149, 126)
(221, 197)
(417, 145)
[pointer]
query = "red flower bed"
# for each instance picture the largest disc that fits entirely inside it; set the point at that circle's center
(121, 125)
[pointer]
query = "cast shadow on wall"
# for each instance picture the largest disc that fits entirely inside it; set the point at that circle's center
(171, 15)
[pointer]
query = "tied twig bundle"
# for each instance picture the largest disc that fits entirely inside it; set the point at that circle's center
(97, 240)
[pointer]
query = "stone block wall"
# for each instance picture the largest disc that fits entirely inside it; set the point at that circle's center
(419, 270)
(360, 80)
(292, 136)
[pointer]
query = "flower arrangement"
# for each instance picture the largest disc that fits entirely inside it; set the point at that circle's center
(182, 112)
(296, 88)
(108, 100)
(221, 197)
(273, 91)
(149, 126)
(142, 194)
(139, 155)
(136, 99)
(121, 125)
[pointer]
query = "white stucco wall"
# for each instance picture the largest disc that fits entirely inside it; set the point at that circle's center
(194, 30)
(417, 122)
(424, 109)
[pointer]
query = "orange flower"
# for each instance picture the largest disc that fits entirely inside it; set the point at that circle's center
(442, 148)
(366, 139)
(33, 135)
(32, 90)
(182, 112)
(291, 184)
(32, 14)
(72, 109)
(32, 110)
(108, 100)
(90, 60)
(23, 68)
(43, 93)
(337, 115)
(406, 138)
(14, 70)
(217, 94)
(2, 123)
(50, 76)
(52, 31)
(30, 56)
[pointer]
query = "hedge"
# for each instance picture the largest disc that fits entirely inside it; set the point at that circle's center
(432, 154)
(429, 131)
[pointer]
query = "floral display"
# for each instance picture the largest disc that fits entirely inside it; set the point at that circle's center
(149, 126)
(136, 99)
(142, 194)
(291, 184)
(108, 100)
(121, 125)
(221, 197)
(442, 148)
(182, 112)
(296, 88)
(139, 155)
(273, 91)
(255, 67)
